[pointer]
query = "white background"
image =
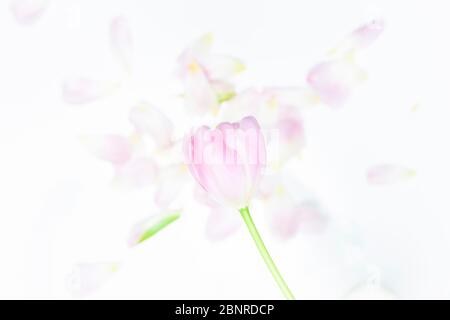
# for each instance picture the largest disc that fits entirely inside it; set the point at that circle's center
(57, 207)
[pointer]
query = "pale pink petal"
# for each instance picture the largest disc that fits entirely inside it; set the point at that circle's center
(86, 278)
(202, 196)
(137, 172)
(222, 67)
(385, 174)
(290, 132)
(268, 186)
(151, 121)
(199, 95)
(227, 161)
(28, 11)
(366, 34)
(112, 148)
(82, 90)
(222, 222)
(359, 39)
(334, 80)
(197, 51)
(121, 40)
(290, 218)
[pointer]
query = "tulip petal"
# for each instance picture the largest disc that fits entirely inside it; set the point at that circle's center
(227, 161)
(222, 67)
(385, 174)
(200, 96)
(28, 12)
(306, 217)
(360, 38)
(121, 40)
(151, 121)
(112, 148)
(137, 172)
(147, 228)
(221, 223)
(86, 278)
(333, 80)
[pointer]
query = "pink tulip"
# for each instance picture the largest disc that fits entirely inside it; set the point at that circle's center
(227, 161)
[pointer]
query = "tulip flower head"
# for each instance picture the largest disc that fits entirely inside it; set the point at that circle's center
(227, 161)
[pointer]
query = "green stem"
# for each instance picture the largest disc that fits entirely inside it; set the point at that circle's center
(245, 213)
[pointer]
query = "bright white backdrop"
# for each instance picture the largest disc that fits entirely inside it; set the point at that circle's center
(58, 208)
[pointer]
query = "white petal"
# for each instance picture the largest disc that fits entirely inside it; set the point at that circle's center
(112, 148)
(28, 11)
(150, 120)
(121, 40)
(138, 172)
(334, 80)
(82, 90)
(384, 174)
(86, 278)
(222, 67)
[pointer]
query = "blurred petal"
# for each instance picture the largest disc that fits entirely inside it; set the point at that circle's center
(360, 38)
(203, 197)
(88, 277)
(224, 91)
(149, 120)
(121, 40)
(333, 80)
(112, 148)
(199, 49)
(388, 174)
(28, 11)
(288, 219)
(221, 223)
(200, 96)
(80, 90)
(222, 67)
(366, 34)
(147, 228)
(170, 184)
(291, 132)
(137, 172)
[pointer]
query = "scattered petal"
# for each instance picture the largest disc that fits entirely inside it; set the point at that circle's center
(360, 38)
(28, 12)
(367, 33)
(288, 219)
(151, 121)
(86, 278)
(200, 96)
(137, 172)
(147, 228)
(333, 80)
(222, 67)
(121, 40)
(112, 148)
(80, 90)
(385, 174)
